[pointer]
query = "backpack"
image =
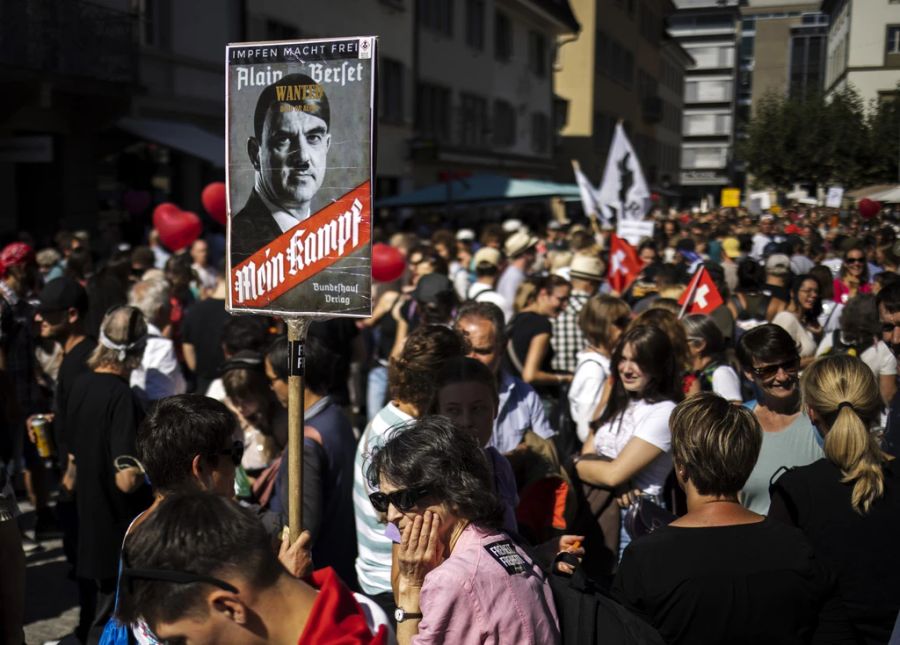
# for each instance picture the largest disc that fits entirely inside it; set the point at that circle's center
(841, 345)
(587, 614)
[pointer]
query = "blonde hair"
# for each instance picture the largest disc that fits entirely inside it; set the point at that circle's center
(843, 393)
(599, 315)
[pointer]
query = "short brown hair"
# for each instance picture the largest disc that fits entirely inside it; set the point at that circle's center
(714, 443)
(412, 378)
(599, 315)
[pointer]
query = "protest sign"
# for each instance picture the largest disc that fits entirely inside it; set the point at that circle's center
(834, 197)
(730, 197)
(634, 230)
(299, 156)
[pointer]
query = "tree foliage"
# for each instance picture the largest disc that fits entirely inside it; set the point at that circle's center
(809, 139)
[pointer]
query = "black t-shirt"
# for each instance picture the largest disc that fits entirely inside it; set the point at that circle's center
(522, 329)
(102, 417)
(73, 365)
(750, 583)
(202, 328)
(861, 549)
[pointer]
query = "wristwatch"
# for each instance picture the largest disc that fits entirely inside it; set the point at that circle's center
(401, 614)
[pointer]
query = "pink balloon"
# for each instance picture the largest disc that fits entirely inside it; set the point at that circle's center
(177, 229)
(213, 198)
(387, 263)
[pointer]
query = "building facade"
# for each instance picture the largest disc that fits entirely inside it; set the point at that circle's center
(623, 66)
(863, 49)
(708, 30)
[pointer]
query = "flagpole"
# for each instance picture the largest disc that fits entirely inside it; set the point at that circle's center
(695, 282)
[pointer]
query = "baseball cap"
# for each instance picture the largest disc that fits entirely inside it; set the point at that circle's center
(511, 225)
(732, 247)
(778, 263)
(62, 293)
(432, 287)
(465, 235)
(487, 255)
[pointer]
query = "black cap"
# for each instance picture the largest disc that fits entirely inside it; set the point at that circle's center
(62, 293)
(432, 287)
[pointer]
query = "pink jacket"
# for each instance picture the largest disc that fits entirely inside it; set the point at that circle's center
(487, 591)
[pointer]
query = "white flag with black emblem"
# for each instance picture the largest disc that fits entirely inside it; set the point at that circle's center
(623, 193)
(590, 201)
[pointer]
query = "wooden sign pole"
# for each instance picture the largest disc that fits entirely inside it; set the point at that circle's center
(297, 328)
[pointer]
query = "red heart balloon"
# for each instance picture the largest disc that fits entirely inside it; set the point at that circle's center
(869, 208)
(213, 198)
(177, 229)
(387, 263)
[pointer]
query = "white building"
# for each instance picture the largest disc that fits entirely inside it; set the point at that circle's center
(863, 48)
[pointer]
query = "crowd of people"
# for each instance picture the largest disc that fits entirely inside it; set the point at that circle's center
(503, 421)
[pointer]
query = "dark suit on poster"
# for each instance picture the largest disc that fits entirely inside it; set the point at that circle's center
(252, 228)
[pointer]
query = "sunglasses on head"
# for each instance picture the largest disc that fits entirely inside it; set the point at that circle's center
(236, 452)
(767, 372)
(403, 500)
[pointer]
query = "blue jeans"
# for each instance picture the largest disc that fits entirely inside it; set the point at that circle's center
(376, 390)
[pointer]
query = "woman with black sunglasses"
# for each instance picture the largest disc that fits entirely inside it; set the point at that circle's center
(853, 277)
(771, 362)
(461, 579)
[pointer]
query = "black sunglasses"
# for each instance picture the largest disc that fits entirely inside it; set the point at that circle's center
(854, 260)
(767, 372)
(888, 328)
(236, 452)
(403, 500)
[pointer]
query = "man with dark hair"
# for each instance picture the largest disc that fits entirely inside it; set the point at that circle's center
(239, 334)
(288, 149)
(246, 596)
(329, 449)
(889, 314)
(520, 408)
(202, 332)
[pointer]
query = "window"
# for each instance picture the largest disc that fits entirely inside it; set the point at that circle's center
(892, 42)
(806, 67)
(713, 57)
(537, 53)
(433, 112)
(504, 124)
(475, 24)
(706, 124)
(701, 157)
(391, 91)
(473, 128)
(503, 44)
(437, 15)
(707, 90)
(540, 133)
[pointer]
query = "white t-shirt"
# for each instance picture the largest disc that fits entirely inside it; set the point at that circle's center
(726, 383)
(591, 372)
(878, 357)
(646, 421)
(806, 342)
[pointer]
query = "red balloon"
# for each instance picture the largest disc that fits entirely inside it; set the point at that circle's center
(869, 208)
(213, 198)
(387, 263)
(177, 229)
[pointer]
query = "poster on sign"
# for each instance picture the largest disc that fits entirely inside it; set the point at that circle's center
(299, 120)
(834, 197)
(634, 231)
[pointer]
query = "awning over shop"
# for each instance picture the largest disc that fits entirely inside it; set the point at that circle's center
(183, 137)
(891, 195)
(481, 189)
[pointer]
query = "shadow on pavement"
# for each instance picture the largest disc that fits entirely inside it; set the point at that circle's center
(48, 589)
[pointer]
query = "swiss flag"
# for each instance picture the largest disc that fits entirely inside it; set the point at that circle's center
(624, 264)
(701, 295)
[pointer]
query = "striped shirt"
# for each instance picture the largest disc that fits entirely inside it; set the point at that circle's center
(373, 562)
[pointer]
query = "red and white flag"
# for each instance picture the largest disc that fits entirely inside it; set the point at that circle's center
(624, 264)
(701, 295)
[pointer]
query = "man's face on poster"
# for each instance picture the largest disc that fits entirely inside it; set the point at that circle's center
(291, 158)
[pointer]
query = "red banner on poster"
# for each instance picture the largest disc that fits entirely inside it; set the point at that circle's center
(299, 254)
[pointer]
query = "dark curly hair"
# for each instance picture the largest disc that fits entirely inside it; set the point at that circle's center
(432, 453)
(412, 377)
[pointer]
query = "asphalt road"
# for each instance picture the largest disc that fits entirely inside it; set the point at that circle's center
(51, 601)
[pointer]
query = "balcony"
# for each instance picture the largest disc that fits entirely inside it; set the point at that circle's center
(73, 38)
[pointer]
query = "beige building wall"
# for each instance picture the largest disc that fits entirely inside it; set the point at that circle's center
(574, 72)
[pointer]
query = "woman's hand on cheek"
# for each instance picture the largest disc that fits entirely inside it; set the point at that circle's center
(420, 549)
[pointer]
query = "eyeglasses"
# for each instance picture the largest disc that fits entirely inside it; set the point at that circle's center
(177, 577)
(403, 500)
(854, 260)
(236, 452)
(767, 372)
